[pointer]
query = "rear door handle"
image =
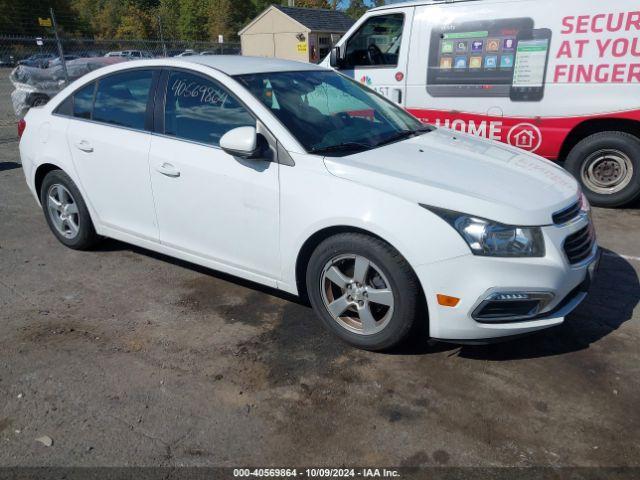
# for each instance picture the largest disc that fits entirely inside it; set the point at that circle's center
(84, 146)
(168, 170)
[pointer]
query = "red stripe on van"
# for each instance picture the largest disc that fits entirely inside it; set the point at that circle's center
(544, 136)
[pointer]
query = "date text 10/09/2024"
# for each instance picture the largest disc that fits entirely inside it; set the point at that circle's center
(317, 472)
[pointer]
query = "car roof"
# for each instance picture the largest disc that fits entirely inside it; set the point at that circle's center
(240, 65)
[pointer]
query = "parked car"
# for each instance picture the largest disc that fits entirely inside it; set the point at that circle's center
(560, 79)
(296, 177)
(7, 61)
(187, 53)
(39, 60)
(34, 87)
(114, 54)
(136, 54)
(56, 61)
(89, 54)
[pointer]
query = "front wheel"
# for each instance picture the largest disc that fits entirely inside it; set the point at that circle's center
(607, 165)
(363, 290)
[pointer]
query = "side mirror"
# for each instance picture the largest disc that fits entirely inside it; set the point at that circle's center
(240, 142)
(335, 58)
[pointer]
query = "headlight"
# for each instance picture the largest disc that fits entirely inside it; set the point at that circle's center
(491, 239)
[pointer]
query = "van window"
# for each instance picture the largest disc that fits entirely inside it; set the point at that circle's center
(377, 42)
(122, 98)
(83, 101)
(201, 110)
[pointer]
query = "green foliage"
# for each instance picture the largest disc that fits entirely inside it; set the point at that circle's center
(356, 8)
(131, 19)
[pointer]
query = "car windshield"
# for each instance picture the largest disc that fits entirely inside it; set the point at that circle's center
(330, 114)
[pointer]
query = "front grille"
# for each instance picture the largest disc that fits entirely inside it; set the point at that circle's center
(578, 247)
(566, 215)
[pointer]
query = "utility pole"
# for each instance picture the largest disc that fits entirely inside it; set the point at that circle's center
(164, 47)
(60, 51)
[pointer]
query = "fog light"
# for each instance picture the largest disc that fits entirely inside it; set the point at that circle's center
(511, 306)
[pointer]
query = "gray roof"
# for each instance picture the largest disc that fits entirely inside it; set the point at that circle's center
(319, 19)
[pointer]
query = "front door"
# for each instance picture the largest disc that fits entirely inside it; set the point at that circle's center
(376, 54)
(210, 204)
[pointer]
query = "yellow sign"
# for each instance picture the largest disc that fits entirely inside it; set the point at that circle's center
(302, 47)
(44, 22)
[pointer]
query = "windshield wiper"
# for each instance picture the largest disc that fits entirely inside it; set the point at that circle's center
(405, 134)
(342, 147)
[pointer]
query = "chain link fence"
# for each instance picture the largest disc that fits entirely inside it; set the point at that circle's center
(40, 56)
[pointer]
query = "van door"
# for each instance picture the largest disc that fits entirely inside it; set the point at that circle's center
(376, 54)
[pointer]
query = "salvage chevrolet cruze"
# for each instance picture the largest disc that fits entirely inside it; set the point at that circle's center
(299, 178)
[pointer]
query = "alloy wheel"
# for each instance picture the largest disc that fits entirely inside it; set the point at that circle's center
(63, 211)
(357, 294)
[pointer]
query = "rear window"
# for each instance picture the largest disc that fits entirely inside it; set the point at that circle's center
(121, 99)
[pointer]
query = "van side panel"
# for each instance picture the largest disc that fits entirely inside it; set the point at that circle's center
(466, 57)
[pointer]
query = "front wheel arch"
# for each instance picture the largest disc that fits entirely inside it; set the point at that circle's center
(304, 255)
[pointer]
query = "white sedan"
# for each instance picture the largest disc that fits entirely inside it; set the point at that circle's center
(296, 177)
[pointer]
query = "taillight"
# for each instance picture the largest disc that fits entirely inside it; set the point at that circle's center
(21, 126)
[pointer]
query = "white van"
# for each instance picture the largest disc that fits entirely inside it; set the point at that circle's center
(560, 79)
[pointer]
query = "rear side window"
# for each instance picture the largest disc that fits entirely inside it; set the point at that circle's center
(121, 99)
(83, 101)
(201, 110)
(377, 42)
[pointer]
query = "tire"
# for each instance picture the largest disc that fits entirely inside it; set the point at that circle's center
(66, 212)
(387, 270)
(607, 165)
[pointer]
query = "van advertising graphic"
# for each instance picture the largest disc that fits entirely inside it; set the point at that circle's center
(513, 62)
(474, 59)
(510, 58)
(601, 48)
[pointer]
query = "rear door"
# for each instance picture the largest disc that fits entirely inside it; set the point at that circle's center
(109, 137)
(376, 53)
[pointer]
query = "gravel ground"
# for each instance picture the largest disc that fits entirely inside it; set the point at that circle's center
(124, 357)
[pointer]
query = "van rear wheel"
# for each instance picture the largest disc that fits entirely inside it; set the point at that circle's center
(607, 165)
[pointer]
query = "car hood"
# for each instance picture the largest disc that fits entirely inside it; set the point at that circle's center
(464, 173)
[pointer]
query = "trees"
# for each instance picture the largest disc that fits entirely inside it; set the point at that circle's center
(129, 19)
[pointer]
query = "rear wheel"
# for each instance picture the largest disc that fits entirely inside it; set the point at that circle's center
(66, 212)
(363, 290)
(607, 165)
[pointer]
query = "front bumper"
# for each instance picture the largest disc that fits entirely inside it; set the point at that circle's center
(471, 278)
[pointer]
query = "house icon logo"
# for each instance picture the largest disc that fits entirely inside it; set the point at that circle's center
(525, 136)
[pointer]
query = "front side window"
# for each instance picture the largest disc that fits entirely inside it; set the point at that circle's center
(329, 113)
(377, 42)
(83, 101)
(201, 110)
(121, 99)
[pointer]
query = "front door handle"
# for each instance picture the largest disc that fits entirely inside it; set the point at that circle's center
(168, 170)
(84, 146)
